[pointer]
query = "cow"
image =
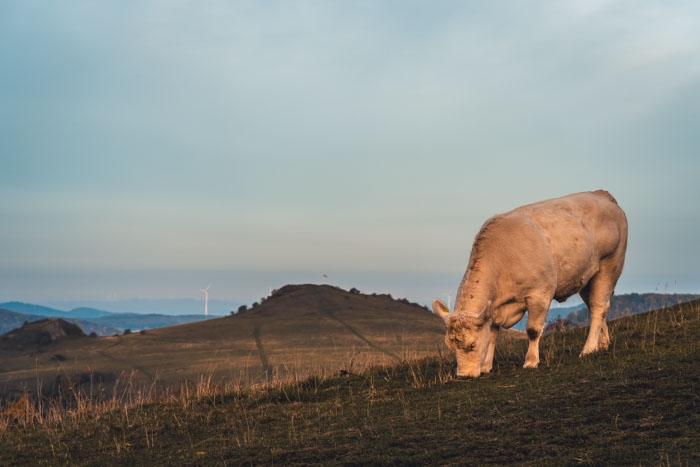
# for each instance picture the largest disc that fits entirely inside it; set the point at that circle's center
(525, 258)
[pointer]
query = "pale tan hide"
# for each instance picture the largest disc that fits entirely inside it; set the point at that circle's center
(523, 259)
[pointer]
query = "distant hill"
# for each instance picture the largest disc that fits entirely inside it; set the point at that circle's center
(627, 305)
(39, 310)
(159, 306)
(87, 313)
(91, 320)
(136, 321)
(620, 307)
(96, 327)
(29, 309)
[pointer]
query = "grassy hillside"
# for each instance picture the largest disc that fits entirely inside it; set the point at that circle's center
(636, 404)
(299, 331)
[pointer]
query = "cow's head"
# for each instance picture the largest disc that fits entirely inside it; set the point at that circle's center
(467, 336)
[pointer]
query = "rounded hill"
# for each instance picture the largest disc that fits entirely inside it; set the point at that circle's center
(305, 299)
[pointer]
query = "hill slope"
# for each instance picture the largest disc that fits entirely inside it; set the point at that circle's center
(636, 404)
(300, 330)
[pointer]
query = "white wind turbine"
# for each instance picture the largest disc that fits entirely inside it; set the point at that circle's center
(206, 300)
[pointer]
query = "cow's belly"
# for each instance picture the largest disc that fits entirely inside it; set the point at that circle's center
(563, 294)
(576, 263)
(573, 283)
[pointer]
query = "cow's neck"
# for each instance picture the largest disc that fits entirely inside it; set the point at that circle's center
(477, 289)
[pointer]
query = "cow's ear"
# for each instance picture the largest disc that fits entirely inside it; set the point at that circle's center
(440, 309)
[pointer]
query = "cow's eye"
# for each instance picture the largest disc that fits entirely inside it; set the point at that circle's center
(470, 347)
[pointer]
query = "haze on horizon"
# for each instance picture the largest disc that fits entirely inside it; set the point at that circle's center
(148, 148)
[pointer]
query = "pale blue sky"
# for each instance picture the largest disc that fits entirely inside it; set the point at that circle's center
(149, 148)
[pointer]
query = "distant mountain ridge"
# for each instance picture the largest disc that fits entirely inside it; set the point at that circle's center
(620, 306)
(91, 308)
(40, 310)
(101, 322)
(631, 304)
(161, 306)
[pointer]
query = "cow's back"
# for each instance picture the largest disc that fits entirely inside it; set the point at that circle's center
(561, 240)
(592, 217)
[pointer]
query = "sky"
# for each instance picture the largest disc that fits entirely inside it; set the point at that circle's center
(151, 148)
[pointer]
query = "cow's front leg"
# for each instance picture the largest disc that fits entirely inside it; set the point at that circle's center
(488, 361)
(532, 359)
(536, 315)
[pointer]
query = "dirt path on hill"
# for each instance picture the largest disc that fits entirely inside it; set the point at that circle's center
(331, 314)
(267, 367)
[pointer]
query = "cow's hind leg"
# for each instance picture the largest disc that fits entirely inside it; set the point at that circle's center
(596, 295)
(536, 315)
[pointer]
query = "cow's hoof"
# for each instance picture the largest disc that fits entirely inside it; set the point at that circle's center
(531, 364)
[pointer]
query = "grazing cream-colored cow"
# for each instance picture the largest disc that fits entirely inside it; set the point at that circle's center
(523, 259)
